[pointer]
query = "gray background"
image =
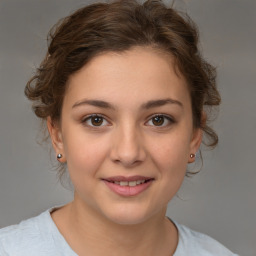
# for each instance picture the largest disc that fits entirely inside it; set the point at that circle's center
(220, 201)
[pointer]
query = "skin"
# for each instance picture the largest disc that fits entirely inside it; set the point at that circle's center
(128, 142)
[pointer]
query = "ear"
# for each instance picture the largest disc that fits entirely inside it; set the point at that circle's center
(196, 140)
(56, 138)
(195, 144)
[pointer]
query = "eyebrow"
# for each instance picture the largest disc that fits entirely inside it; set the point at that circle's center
(147, 105)
(96, 103)
(160, 102)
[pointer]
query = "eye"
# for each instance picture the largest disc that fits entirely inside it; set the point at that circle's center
(95, 121)
(160, 121)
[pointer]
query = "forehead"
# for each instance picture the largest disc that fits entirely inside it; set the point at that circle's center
(134, 76)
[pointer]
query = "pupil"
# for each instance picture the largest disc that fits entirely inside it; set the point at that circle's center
(97, 120)
(158, 120)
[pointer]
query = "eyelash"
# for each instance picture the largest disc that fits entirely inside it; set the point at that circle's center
(167, 118)
(89, 118)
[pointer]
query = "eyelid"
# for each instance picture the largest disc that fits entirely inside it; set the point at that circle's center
(166, 116)
(88, 117)
(170, 119)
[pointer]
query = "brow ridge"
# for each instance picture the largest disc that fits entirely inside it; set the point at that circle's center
(147, 105)
(160, 102)
(96, 103)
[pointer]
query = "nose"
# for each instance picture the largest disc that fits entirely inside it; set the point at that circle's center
(127, 146)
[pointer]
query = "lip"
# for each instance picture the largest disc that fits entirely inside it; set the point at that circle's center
(128, 191)
(130, 178)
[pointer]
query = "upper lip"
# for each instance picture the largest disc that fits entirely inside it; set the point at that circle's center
(130, 178)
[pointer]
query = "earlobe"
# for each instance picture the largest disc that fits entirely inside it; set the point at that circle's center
(195, 144)
(56, 137)
(197, 138)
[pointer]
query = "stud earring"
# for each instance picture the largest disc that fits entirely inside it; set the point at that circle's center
(192, 155)
(59, 156)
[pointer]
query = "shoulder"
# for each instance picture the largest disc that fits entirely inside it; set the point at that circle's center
(195, 243)
(30, 236)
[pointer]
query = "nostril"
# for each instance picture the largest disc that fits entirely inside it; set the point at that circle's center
(128, 163)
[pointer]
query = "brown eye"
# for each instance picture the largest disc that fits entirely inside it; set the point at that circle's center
(158, 120)
(95, 121)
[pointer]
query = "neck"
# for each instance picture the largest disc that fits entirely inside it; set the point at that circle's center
(89, 233)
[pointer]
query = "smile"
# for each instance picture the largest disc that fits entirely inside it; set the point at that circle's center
(128, 186)
(130, 183)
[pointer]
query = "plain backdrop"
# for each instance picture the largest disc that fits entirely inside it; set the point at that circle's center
(220, 201)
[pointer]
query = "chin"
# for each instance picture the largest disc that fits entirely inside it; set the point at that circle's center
(128, 215)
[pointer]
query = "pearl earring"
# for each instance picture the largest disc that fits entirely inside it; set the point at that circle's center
(59, 156)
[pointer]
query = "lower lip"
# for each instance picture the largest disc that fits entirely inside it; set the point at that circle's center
(127, 190)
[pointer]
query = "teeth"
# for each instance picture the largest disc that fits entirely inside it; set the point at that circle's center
(124, 183)
(129, 183)
(132, 183)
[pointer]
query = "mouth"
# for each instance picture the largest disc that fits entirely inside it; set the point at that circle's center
(128, 186)
(129, 181)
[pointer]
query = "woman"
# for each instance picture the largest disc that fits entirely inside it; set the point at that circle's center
(123, 90)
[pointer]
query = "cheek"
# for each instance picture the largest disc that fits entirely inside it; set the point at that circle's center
(84, 154)
(170, 154)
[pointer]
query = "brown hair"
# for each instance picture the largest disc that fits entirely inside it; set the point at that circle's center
(118, 26)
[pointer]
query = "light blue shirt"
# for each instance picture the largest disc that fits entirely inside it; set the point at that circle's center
(39, 236)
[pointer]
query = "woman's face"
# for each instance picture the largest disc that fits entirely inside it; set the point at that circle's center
(127, 134)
